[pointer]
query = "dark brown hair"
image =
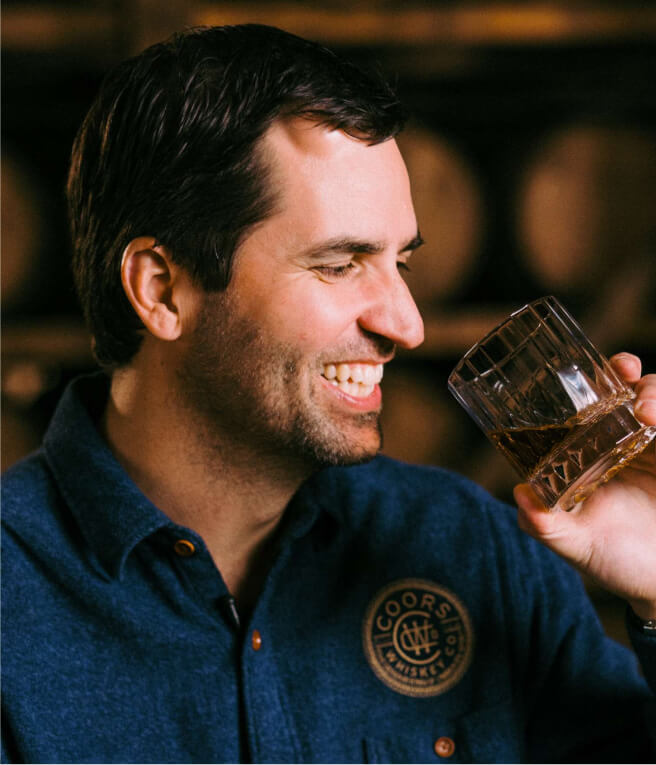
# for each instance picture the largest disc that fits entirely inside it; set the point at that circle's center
(169, 150)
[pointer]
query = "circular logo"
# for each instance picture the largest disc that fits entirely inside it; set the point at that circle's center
(417, 637)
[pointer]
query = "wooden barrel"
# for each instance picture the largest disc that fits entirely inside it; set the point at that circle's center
(420, 422)
(22, 232)
(449, 209)
(586, 204)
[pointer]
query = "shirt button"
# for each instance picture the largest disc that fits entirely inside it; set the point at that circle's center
(444, 746)
(256, 640)
(184, 548)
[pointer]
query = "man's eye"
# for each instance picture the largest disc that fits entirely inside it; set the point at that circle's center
(403, 266)
(335, 272)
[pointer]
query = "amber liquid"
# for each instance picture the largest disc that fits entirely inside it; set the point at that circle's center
(525, 448)
(569, 460)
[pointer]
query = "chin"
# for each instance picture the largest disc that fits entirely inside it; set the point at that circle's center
(348, 453)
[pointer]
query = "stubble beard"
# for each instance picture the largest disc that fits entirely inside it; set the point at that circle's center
(245, 392)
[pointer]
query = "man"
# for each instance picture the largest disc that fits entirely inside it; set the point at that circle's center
(207, 562)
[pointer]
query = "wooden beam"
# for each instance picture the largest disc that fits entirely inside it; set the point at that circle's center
(50, 27)
(57, 339)
(471, 24)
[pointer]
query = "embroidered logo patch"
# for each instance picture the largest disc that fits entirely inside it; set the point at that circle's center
(417, 637)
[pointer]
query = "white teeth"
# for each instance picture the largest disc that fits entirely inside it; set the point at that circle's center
(354, 389)
(355, 379)
(343, 372)
(368, 374)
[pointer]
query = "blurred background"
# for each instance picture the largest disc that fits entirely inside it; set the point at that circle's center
(532, 152)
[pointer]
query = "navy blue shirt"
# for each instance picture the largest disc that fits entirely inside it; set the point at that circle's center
(405, 619)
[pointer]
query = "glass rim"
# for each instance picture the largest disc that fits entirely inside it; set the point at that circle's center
(467, 355)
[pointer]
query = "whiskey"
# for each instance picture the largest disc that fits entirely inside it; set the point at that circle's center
(525, 448)
(566, 462)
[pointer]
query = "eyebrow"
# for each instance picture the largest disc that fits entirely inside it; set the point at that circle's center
(346, 245)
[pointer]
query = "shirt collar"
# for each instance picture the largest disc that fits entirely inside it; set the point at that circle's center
(112, 513)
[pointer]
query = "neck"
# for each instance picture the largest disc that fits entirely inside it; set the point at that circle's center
(233, 498)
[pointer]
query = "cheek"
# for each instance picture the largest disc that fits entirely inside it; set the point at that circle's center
(311, 318)
(312, 325)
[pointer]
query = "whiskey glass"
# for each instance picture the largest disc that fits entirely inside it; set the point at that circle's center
(551, 403)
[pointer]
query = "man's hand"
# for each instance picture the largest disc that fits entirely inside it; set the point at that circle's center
(611, 536)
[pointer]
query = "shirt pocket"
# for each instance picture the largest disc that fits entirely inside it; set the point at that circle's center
(486, 735)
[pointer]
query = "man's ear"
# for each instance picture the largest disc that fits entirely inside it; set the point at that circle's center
(149, 279)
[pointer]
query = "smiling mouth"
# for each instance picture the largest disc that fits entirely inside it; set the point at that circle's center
(357, 380)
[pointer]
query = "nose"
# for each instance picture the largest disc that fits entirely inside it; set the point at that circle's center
(392, 313)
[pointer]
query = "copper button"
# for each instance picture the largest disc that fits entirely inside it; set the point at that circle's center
(256, 640)
(444, 746)
(184, 548)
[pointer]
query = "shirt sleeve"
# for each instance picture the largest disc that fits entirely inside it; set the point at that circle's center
(586, 698)
(645, 648)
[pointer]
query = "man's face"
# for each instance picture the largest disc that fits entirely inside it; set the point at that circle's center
(288, 359)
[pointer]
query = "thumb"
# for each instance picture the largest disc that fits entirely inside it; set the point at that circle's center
(564, 533)
(533, 516)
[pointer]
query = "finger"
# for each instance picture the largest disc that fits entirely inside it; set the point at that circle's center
(534, 517)
(628, 366)
(647, 385)
(645, 405)
(560, 531)
(645, 411)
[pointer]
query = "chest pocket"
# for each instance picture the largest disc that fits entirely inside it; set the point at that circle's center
(484, 735)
